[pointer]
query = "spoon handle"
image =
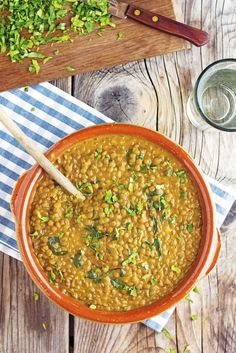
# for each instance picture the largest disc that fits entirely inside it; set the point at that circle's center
(31, 148)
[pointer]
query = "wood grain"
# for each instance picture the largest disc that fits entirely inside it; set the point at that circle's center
(153, 93)
(88, 53)
(21, 317)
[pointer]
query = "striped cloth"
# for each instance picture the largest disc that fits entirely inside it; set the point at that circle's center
(46, 114)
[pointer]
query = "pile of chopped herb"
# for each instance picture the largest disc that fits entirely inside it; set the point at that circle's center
(26, 25)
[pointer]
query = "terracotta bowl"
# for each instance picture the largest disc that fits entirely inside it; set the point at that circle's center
(205, 261)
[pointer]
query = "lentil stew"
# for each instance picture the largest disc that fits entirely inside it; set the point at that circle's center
(134, 238)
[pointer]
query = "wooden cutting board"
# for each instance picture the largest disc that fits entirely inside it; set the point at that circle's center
(92, 52)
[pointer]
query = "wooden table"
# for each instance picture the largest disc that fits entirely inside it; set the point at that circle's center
(152, 93)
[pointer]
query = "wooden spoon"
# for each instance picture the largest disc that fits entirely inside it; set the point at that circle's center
(31, 148)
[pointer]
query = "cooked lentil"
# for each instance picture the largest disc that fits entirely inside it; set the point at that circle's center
(133, 239)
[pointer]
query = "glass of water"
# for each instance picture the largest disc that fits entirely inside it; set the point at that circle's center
(212, 104)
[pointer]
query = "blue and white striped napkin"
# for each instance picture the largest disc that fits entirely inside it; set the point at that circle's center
(46, 114)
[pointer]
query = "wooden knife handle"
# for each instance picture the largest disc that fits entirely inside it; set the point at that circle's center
(165, 24)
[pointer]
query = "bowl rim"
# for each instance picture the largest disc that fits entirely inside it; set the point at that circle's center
(20, 204)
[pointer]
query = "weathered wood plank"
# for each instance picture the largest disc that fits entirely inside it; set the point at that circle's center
(21, 317)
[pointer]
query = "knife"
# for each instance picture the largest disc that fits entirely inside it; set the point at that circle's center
(159, 22)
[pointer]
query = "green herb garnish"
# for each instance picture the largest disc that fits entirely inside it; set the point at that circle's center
(153, 281)
(98, 153)
(182, 194)
(187, 348)
(189, 228)
(69, 212)
(169, 172)
(77, 259)
(34, 67)
(194, 317)
(117, 283)
(70, 68)
(131, 211)
(175, 269)
(120, 35)
(54, 244)
(86, 188)
(128, 226)
(182, 175)
(131, 258)
(36, 296)
(166, 333)
(139, 207)
(94, 276)
(108, 211)
(110, 198)
(34, 234)
(196, 290)
(188, 297)
(172, 220)
(147, 275)
(154, 225)
(43, 219)
(52, 277)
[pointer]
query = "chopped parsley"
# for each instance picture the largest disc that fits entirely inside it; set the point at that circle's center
(169, 172)
(54, 244)
(120, 35)
(196, 290)
(194, 317)
(131, 259)
(110, 198)
(108, 211)
(34, 234)
(128, 226)
(182, 194)
(189, 228)
(188, 297)
(69, 212)
(166, 333)
(175, 269)
(117, 283)
(187, 348)
(86, 188)
(147, 275)
(52, 277)
(94, 275)
(98, 153)
(43, 219)
(182, 175)
(130, 211)
(34, 67)
(154, 225)
(77, 259)
(153, 281)
(36, 296)
(172, 220)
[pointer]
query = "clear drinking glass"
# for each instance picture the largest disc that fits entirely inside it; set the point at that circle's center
(212, 104)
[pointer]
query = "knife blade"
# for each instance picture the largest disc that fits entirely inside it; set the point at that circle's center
(123, 10)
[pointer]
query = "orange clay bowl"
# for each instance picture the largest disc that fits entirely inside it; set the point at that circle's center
(206, 258)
